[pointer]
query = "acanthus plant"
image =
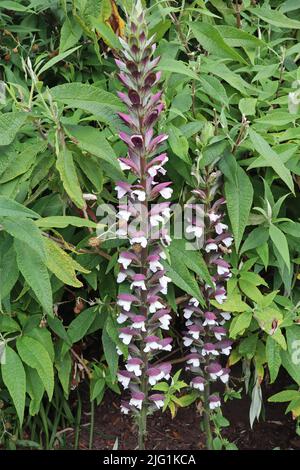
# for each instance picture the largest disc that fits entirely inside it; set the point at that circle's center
(144, 314)
(206, 335)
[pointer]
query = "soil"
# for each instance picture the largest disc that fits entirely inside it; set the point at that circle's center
(275, 431)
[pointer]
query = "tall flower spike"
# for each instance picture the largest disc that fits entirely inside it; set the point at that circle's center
(205, 334)
(144, 314)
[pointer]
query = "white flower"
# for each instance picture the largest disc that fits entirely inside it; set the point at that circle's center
(124, 166)
(164, 280)
(227, 241)
(121, 277)
(213, 217)
(195, 362)
(140, 284)
(220, 228)
(139, 240)
(122, 318)
(121, 191)
(198, 386)
(155, 378)
(124, 215)
(187, 341)
(141, 195)
(135, 368)
(158, 403)
(124, 410)
(220, 298)
(126, 304)
(136, 402)
(224, 378)
(155, 266)
(222, 270)
(226, 351)
(156, 305)
(187, 313)
(155, 219)
(214, 404)
(194, 301)
(212, 351)
(125, 262)
(124, 380)
(166, 193)
(139, 325)
(165, 321)
(198, 231)
(208, 321)
(152, 345)
(226, 315)
(125, 338)
(211, 247)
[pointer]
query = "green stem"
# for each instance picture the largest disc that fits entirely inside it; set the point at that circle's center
(207, 423)
(92, 427)
(142, 424)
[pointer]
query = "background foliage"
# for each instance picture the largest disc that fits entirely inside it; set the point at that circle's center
(232, 90)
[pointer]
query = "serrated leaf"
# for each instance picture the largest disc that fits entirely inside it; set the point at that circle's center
(280, 242)
(14, 378)
(33, 353)
(273, 357)
(27, 232)
(10, 123)
(80, 325)
(67, 171)
(35, 273)
(271, 157)
(239, 196)
(63, 221)
(90, 98)
(11, 208)
(210, 39)
(61, 264)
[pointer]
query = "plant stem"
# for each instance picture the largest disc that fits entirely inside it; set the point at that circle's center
(207, 425)
(92, 427)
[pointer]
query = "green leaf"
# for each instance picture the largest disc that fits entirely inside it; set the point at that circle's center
(67, 171)
(273, 357)
(57, 327)
(256, 237)
(35, 273)
(209, 37)
(247, 106)
(182, 277)
(9, 272)
(291, 357)
(63, 221)
(11, 208)
(110, 352)
(178, 143)
(106, 33)
(14, 378)
(90, 98)
(177, 66)
(57, 59)
(239, 196)
(235, 37)
(35, 389)
(80, 325)
(92, 141)
(33, 353)
(192, 259)
(271, 157)
(26, 231)
(10, 123)
(70, 34)
(64, 368)
(61, 264)
(240, 323)
(275, 17)
(285, 395)
(280, 242)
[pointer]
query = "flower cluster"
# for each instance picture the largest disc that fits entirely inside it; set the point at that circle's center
(205, 333)
(144, 315)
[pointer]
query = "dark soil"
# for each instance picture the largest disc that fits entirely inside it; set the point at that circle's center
(275, 431)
